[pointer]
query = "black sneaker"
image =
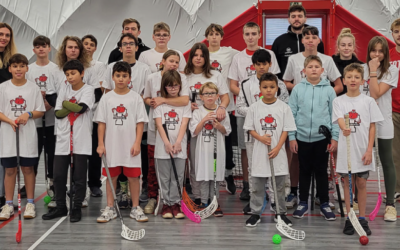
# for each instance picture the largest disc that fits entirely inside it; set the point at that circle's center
(23, 192)
(96, 192)
(348, 228)
(247, 210)
(76, 214)
(364, 224)
(55, 213)
(253, 221)
(197, 202)
(245, 194)
(230, 184)
(284, 218)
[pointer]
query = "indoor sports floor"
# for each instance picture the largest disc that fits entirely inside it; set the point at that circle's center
(228, 232)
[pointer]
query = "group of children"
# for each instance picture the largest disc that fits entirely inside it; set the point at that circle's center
(111, 110)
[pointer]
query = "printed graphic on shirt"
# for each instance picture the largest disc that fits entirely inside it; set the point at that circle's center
(303, 75)
(195, 89)
(158, 65)
(268, 124)
(41, 82)
(158, 93)
(251, 70)
(216, 65)
(258, 97)
(288, 51)
(366, 87)
(73, 100)
(66, 82)
(355, 120)
(130, 86)
(171, 119)
(18, 105)
(119, 114)
(208, 131)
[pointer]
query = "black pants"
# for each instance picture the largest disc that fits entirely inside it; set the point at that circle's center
(145, 160)
(94, 167)
(49, 145)
(61, 166)
(313, 158)
(230, 140)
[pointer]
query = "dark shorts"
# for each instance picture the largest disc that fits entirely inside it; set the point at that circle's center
(364, 175)
(11, 162)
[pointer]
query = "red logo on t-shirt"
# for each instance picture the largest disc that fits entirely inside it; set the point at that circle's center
(207, 131)
(355, 120)
(41, 81)
(216, 65)
(18, 105)
(119, 114)
(195, 89)
(268, 123)
(366, 87)
(251, 70)
(171, 119)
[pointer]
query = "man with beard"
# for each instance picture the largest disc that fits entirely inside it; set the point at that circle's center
(290, 43)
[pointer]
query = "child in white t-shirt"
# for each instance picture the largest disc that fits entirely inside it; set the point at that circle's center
(249, 94)
(363, 114)
(74, 114)
(205, 126)
(380, 78)
(90, 45)
(241, 69)
(198, 71)
(152, 97)
(294, 70)
(39, 73)
(221, 59)
(121, 116)
(175, 120)
(268, 121)
(20, 103)
(153, 57)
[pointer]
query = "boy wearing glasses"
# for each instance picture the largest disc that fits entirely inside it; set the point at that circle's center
(139, 73)
(153, 57)
(204, 125)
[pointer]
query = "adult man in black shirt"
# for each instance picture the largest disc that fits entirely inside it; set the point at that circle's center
(290, 43)
(132, 26)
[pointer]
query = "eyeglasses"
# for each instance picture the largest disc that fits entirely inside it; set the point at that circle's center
(130, 44)
(209, 94)
(173, 87)
(158, 35)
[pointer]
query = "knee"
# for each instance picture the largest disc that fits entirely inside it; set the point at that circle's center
(27, 170)
(10, 172)
(361, 183)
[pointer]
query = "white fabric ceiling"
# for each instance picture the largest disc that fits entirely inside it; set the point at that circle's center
(187, 19)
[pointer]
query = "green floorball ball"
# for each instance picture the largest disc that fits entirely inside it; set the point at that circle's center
(261, 97)
(276, 239)
(47, 199)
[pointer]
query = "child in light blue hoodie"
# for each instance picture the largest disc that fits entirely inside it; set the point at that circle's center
(311, 104)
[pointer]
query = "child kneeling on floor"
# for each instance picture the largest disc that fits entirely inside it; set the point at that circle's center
(176, 120)
(364, 113)
(268, 121)
(121, 115)
(204, 124)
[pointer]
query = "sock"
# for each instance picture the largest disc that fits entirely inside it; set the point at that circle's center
(30, 201)
(111, 208)
(133, 208)
(124, 186)
(10, 203)
(390, 204)
(228, 172)
(361, 218)
(293, 190)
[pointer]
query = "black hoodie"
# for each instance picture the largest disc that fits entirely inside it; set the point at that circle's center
(116, 55)
(289, 44)
(4, 73)
(341, 64)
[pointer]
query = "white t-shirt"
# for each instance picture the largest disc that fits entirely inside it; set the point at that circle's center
(151, 90)
(385, 128)
(100, 69)
(153, 59)
(172, 117)
(15, 101)
(272, 119)
(362, 111)
(139, 74)
(295, 66)
(221, 60)
(195, 81)
(204, 164)
(40, 75)
(242, 67)
(121, 113)
(82, 136)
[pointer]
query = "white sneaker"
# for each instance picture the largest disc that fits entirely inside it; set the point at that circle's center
(107, 214)
(390, 214)
(355, 208)
(52, 204)
(138, 215)
(6, 212)
(30, 211)
(85, 202)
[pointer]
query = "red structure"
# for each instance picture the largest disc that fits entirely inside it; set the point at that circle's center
(334, 18)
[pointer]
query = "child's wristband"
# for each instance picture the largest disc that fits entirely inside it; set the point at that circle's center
(222, 107)
(30, 114)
